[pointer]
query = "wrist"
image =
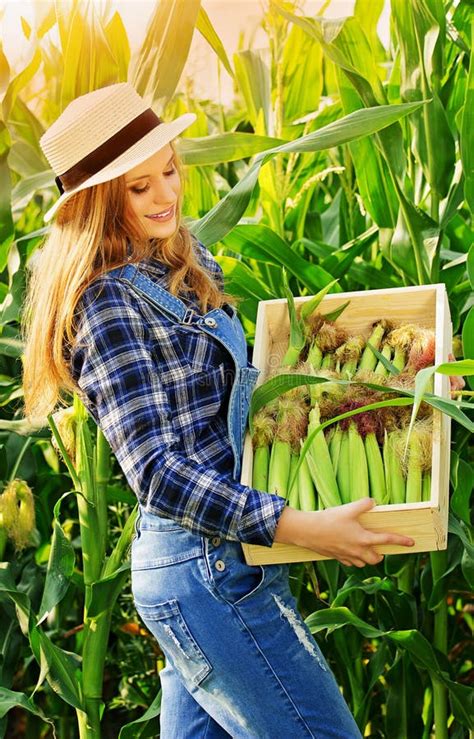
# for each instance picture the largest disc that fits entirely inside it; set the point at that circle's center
(291, 526)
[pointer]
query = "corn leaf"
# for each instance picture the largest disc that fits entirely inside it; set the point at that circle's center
(224, 147)
(165, 50)
(10, 699)
(261, 242)
(467, 132)
(133, 730)
(207, 30)
(386, 362)
(60, 567)
(221, 219)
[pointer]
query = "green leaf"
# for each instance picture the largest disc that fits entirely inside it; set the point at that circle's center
(207, 30)
(104, 592)
(334, 315)
(132, 730)
(62, 670)
(470, 265)
(226, 214)
(60, 567)
(297, 337)
(468, 340)
(224, 147)
(467, 132)
(11, 699)
(392, 370)
(165, 49)
(262, 243)
(411, 640)
(461, 496)
(253, 75)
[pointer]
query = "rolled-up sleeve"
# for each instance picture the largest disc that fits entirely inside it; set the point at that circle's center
(119, 380)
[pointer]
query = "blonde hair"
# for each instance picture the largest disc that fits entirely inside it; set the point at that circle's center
(88, 237)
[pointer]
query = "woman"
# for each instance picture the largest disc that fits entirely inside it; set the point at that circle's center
(127, 309)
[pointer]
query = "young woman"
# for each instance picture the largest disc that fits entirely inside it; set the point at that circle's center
(127, 309)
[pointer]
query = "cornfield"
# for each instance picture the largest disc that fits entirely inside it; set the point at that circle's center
(341, 162)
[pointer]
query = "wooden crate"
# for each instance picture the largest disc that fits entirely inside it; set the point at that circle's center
(427, 306)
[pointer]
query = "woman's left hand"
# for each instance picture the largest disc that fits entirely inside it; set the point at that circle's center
(457, 381)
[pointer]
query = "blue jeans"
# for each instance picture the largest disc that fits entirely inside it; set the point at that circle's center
(240, 661)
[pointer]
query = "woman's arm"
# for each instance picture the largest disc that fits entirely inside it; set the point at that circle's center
(117, 366)
(337, 533)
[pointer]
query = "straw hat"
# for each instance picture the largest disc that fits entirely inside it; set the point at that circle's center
(103, 134)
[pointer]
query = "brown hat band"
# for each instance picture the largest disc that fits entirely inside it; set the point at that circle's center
(100, 157)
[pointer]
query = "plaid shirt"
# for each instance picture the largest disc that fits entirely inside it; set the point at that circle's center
(158, 391)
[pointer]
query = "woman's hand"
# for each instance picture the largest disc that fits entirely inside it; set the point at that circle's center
(337, 533)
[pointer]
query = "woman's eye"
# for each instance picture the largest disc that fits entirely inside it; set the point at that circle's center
(138, 191)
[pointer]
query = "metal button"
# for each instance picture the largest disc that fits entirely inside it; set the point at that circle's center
(216, 540)
(220, 565)
(211, 322)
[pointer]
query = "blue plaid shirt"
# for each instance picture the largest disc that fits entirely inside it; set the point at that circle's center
(159, 391)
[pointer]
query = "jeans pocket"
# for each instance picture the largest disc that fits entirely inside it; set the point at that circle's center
(166, 623)
(238, 582)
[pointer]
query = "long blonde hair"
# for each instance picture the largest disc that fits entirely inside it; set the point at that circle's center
(91, 235)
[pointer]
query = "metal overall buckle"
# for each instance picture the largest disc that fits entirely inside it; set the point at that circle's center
(188, 316)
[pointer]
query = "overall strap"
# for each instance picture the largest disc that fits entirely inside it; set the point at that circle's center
(160, 297)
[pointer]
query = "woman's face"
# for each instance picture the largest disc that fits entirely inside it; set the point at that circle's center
(153, 189)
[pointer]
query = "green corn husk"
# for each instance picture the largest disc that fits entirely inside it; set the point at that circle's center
(264, 429)
(401, 339)
(386, 467)
(416, 457)
(343, 469)
(307, 493)
(293, 495)
(291, 426)
(378, 488)
(347, 356)
(315, 355)
(320, 465)
(335, 447)
(261, 461)
(380, 368)
(414, 474)
(359, 472)
(368, 359)
(329, 361)
(395, 472)
(279, 468)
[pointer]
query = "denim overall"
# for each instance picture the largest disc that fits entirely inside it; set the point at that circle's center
(240, 661)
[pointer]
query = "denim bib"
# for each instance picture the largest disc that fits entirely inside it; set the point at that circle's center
(226, 328)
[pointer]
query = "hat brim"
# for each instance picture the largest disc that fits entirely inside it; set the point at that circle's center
(152, 142)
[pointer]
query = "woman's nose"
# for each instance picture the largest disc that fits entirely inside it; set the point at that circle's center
(163, 193)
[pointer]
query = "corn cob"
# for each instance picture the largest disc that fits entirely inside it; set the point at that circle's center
(368, 359)
(319, 463)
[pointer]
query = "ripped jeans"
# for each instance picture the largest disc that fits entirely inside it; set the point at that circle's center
(240, 661)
